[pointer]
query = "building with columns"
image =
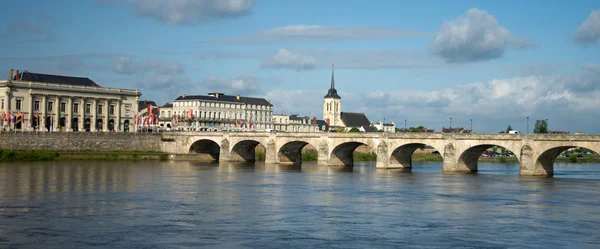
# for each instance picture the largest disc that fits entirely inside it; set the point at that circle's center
(44, 102)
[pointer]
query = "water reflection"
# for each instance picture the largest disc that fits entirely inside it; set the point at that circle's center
(242, 205)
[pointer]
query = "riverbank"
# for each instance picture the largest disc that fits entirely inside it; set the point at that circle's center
(55, 155)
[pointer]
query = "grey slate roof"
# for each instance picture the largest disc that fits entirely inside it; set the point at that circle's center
(167, 105)
(255, 101)
(295, 117)
(332, 93)
(321, 124)
(370, 129)
(58, 79)
(227, 98)
(355, 119)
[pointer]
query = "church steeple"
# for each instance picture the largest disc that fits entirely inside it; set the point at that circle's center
(332, 93)
(332, 79)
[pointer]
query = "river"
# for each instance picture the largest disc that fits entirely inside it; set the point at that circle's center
(106, 204)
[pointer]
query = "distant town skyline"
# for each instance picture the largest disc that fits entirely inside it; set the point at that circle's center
(496, 63)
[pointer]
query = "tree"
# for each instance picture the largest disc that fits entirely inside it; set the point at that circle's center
(354, 130)
(416, 129)
(541, 126)
(509, 128)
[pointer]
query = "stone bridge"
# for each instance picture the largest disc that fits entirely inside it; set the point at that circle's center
(460, 152)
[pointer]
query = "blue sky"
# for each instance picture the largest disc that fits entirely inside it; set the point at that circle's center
(425, 61)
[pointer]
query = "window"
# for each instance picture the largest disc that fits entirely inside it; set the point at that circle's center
(76, 108)
(63, 107)
(18, 104)
(88, 108)
(111, 111)
(50, 104)
(36, 105)
(100, 109)
(2, 104)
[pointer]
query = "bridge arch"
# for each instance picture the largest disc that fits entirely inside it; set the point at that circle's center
(291, 152)
(208, 149)
(343, 153)
(545, 161)
(401, 157)
(244, 151)
(467, 161)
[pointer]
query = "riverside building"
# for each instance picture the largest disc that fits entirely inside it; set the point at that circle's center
(220, 111)
(294, 123)
(43, 102)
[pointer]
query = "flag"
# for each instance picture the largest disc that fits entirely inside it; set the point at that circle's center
(3, 116)
(10, 117)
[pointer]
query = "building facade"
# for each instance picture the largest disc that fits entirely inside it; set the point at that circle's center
(43, 102)
(294, 123)
(385, 127)
(221, 111)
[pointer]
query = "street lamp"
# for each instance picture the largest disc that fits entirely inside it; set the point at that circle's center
(527, 125)
(450, 122)
(547, 131)
(471, 126)
(404, 124)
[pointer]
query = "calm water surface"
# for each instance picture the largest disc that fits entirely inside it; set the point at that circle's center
(192, 205)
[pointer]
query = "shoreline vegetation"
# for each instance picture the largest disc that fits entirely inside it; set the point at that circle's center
(61, 155)
(58, 155)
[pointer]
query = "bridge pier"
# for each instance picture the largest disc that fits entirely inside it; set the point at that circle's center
(224, 155)
(529, 166)
(450, 163)
(271, 153)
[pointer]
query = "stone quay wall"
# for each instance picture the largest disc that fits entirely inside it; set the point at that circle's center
(100, 141)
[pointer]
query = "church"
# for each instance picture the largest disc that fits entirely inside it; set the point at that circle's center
(336, 119)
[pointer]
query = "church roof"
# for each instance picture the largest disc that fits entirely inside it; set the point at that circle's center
(355, 119)
(332, 93)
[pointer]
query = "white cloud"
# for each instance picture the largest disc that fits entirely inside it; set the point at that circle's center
(475, 37)
(301, 59)
(189, 12)
(126, 65)
(568, 101)
(589, 31)
(321, 33)
(373, 59)
(285, 59)
(243, 85)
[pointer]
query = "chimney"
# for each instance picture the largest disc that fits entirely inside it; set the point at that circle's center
(183, 95)
(10, 74)
(17, 76)
(217, 95)
(237, 97)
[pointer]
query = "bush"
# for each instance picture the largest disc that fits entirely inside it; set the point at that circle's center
(573, 158)
(259, 156)
(309, 156)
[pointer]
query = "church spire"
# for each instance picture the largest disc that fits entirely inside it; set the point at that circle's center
(332, 79)
(332, 93)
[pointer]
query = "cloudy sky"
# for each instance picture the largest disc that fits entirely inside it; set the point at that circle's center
(495, 62)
